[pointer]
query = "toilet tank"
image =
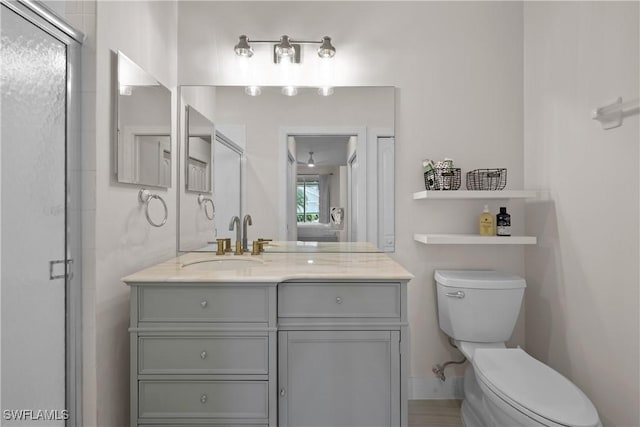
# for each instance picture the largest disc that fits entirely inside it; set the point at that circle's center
(478, 305)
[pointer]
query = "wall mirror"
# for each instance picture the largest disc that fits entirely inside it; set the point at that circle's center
(143, 149)
(199, 138)
(310, 168)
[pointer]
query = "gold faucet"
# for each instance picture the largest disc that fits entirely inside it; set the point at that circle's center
(235, 222)
(220, 248)
(257, 247)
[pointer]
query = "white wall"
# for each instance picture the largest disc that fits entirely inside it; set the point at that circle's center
(458, 68)
(124, 240)
(582, 296)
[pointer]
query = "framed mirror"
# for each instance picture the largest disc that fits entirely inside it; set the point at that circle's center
(143, 149)
(317, 168)
(199, 139)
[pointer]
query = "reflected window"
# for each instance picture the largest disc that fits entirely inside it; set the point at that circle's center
(308, 201)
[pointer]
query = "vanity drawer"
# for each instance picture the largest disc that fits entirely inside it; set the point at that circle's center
(204, 399)
(204, 304)
(339, 300)
(213, 355)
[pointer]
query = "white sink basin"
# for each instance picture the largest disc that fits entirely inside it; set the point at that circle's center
(223, 263)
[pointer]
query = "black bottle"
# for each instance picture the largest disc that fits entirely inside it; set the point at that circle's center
(503, 223)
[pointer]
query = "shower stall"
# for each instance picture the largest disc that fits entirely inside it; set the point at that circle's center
(40, 251)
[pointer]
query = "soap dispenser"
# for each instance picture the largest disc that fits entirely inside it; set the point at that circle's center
(487, 226)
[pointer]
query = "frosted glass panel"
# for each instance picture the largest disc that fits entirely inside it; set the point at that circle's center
(32, 151)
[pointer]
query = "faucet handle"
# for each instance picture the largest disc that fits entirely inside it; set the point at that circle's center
(227, 245)
(257, 247)
(220, 248)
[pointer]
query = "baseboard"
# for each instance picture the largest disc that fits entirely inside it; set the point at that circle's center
(433, 388)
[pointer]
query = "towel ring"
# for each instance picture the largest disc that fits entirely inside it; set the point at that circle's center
(202, 201)
(145, 196)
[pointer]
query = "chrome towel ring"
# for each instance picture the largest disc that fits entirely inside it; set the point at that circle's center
(202, 201)
(145, 196)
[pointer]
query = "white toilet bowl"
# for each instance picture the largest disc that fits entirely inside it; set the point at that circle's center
(503, 387)
(518, 390)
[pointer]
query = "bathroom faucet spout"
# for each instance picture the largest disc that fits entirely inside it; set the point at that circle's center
(247, 220)
(235, 222)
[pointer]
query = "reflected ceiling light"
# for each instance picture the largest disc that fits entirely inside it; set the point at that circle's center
(290, 90)
(325, 91)
(253, 90)
(286, 48)
(243, 48)
(310, 162)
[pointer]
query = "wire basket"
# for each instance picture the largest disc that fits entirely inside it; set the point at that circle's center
(487, 179)
(442, 179)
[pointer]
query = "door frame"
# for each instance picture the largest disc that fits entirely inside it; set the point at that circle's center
(361, 148)
(44, 18)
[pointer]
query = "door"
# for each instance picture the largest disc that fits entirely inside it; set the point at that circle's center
(33, 223)
(339, 378)
(227, 184)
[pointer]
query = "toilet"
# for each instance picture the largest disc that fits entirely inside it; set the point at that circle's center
(503, 387)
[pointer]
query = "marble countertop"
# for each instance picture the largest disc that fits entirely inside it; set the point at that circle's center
(272, 267)
(293, 246)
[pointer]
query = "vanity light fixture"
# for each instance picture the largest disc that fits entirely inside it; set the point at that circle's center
(285, 48)
(243, 48)
(253, 90)
(311, 163)
(289, 91)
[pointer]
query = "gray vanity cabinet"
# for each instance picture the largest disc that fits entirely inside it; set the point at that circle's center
(328, 353)
(203, 354)
(340, 357)
(339, 378)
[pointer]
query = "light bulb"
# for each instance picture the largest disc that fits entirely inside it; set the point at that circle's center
(253, 90)
(290, 90)
(243, 48)
(325, 91)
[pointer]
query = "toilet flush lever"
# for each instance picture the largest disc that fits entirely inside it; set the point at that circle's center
(458, 294)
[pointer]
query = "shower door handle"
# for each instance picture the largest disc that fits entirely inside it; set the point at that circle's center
(60, 274)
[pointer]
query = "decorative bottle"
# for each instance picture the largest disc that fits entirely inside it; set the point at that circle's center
(487, 226)
(503, 222)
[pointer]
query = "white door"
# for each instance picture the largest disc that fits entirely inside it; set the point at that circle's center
(227, 185)
(33, 215)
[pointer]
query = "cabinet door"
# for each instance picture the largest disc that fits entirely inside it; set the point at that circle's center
(339, 379)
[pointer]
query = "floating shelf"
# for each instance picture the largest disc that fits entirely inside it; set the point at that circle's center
(468, 194)
(473, 239)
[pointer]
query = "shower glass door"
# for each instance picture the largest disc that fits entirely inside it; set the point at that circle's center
(33, 223)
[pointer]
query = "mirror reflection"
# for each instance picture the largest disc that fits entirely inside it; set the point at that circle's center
(199, 153)
(319, 169)
(143, 127)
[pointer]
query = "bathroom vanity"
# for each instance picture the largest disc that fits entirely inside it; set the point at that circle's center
(280, 339)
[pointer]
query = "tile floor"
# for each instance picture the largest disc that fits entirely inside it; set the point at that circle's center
(434, 413)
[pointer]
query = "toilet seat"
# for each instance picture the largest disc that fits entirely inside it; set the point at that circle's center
(533, 388)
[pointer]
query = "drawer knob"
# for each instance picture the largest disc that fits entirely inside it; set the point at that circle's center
(203, 355)
(338, 300)
(204, 304)
(203, 398)
(282, 392)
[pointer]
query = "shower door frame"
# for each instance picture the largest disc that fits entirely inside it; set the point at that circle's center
(44, 18)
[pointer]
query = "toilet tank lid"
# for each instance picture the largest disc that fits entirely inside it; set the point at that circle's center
(479, 279)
